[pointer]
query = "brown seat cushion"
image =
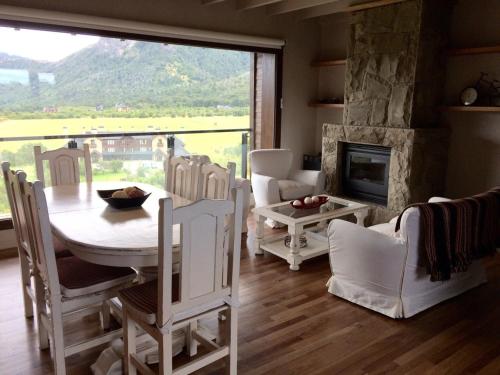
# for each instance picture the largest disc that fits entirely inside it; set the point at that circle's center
(143, 298)
(59, 248)
(78, 277)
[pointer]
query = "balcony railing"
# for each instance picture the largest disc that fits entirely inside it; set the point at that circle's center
(135, 156)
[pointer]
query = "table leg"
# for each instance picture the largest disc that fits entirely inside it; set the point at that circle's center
(294, 258)
(361, 216)
(259, 234)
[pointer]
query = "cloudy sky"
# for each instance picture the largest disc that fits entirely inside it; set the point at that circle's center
(42, 45)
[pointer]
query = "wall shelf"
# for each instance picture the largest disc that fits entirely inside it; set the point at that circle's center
(473, 51)
(327, 105)
(469, 109)
(324, 63)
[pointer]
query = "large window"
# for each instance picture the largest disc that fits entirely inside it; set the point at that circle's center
(61, 84)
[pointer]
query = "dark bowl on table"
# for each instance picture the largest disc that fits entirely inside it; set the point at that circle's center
(121, 203)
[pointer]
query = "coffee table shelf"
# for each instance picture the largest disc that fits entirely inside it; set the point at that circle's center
(302, 222)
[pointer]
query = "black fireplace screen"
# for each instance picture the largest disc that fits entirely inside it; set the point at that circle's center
(366, 172)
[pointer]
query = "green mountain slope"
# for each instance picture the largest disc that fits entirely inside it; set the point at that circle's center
(136, 74)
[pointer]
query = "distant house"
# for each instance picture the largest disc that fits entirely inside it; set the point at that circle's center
(144, 147)
(99, 107)
(120, 107)
(50, 109)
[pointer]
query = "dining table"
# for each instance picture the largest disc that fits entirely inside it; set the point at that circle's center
(98, 233)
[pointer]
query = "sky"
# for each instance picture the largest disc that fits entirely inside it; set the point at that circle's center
(42, 45)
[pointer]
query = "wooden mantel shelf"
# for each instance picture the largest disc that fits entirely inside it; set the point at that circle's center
(469, 109)
(473, 51)
(320, 63)
(327, 105)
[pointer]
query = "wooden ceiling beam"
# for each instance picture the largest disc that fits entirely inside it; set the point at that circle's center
(342, 7)
(250, 4)
(210, 2)
(295, 5)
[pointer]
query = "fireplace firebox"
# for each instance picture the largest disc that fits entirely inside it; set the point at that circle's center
(365, 172)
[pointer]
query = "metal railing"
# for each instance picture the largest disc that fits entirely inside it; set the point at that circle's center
(170, 135)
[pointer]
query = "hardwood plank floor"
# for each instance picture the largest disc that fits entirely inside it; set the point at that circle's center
(289, 324)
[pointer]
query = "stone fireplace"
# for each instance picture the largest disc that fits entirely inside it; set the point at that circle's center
(394, 80)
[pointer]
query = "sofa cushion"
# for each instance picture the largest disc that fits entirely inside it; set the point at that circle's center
(78, 277)
(385, 228)
(290, 189)
(142, 299)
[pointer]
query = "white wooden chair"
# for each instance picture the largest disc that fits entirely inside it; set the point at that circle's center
(214, 181)
(64, 165)
(65, 285)
(179, 175)
(207, 285)
(26, 259)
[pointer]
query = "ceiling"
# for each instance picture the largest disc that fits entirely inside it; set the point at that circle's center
(303, 8)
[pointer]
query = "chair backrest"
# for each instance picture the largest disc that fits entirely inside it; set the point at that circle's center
(272, 162)
(209, 270)
(214, 181)
(63, 164)
(37, 218)
(179, 173)
(12, 181)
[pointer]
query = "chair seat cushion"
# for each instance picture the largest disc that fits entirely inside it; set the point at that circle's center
(59, 248)
(142, 299)
(78, 277)
(290, 189)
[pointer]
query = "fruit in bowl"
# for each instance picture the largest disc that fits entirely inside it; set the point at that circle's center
(309, 202)
(128, 192)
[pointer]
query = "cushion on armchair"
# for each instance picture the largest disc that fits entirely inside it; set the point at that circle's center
(290, 189)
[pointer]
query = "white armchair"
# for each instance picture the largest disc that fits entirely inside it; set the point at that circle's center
(376, 268)
(273, 179)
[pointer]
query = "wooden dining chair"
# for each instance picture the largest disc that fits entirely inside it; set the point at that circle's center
(214, 181)
(65, 285)
(207, 284)
(64, 165)
(179, 175)
(26, 259)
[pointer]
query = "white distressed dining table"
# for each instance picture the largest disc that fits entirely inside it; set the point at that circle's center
(98, 233)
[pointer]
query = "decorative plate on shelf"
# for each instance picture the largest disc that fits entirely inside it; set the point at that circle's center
(468, 96)
(305, 206)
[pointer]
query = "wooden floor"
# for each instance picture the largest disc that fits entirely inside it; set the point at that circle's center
(289, 324)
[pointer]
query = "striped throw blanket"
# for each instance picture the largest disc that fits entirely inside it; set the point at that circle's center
(454, 233)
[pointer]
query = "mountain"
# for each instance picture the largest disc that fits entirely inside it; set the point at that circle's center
(132, 73)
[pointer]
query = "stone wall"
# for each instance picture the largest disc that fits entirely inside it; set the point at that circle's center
(395, 55)
(417, 163)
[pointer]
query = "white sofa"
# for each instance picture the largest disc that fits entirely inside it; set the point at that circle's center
(383, 271)
(274, 180)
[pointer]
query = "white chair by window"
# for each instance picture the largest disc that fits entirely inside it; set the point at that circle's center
(274, 180)
(26, 256)
(65, 285)
(206, 285)
(64, 165)
(179, 175)
(214, 181)
(26, 259)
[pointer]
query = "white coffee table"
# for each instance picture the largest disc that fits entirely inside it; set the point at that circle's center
(297, 220)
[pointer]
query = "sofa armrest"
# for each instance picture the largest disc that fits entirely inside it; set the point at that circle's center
(265, 190)
(362, 256)
(312, 178)
(438, 199)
